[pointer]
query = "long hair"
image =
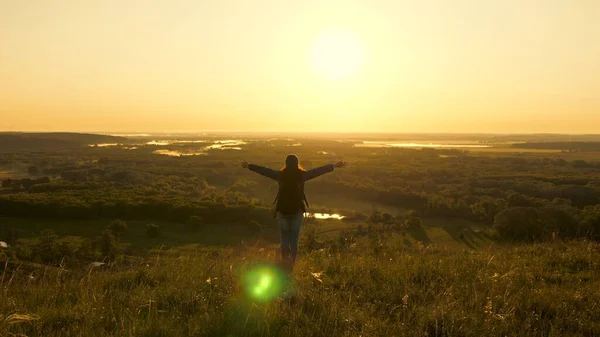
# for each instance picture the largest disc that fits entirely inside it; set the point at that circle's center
(292, 165)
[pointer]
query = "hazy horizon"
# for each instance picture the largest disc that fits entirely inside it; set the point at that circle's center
(295, 132)
(486, 67)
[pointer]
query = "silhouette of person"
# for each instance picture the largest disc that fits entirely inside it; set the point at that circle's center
(291, 202)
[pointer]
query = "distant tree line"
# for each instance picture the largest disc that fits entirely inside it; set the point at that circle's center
(568, 146)
(116, 183)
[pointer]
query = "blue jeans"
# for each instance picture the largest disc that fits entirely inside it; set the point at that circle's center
(290, 233)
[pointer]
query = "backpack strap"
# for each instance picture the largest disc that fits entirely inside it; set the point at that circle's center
(305, 200)
(273, 208)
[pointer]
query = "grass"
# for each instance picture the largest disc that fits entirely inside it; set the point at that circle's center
(447, 233)
(173, 234)
(376, 287)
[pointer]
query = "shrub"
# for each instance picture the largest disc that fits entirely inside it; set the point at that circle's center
(23, 252)
(311, 238)
(413, 222)
(374, 218)
(117, 227)
(86, 251)
(48, 250)
(152, 231)
(108, 245)
(536, 224)
(345, 240)
(68, 252)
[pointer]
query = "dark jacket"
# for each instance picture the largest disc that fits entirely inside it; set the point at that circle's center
(306, 175)
(276, 175)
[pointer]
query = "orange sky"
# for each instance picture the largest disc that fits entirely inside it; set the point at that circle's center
(415, 66)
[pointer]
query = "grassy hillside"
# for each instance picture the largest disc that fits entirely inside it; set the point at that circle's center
(423, 249)
(372, 287)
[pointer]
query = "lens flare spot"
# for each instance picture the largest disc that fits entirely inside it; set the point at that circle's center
(264, 283)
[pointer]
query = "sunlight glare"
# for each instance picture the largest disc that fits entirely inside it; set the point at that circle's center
(336, 54)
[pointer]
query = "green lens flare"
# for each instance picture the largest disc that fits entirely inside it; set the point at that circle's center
(264, 283)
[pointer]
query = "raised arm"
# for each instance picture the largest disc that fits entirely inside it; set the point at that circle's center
(263, 171)
(316, 172)
(319, 171)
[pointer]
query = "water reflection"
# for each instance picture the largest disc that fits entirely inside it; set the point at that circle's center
(225, 144)
(178, 153)
(158, 142)
(228, 144)
(104, 144)
(170, 142)
(216, 144)
(221, 147)
(325, 216)
(418, 145)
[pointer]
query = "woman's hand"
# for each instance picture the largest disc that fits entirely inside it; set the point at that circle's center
(340, 164)
(245, 164)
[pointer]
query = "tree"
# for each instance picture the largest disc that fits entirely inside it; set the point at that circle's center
(560, 220)
(591, 221)
(520, 200)
(487, 208)
(117, 227)
(519, 223)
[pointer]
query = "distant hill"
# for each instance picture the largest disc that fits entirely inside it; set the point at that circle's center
(567, 146)
(22, 140)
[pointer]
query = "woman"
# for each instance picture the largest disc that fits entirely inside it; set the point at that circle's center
(290, 201)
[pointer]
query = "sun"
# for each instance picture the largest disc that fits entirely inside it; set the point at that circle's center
(336, 54)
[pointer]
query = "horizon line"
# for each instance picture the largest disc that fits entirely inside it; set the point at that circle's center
(305, 132)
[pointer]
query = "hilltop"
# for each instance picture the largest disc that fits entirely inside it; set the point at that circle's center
(374, 287)
(25, 140)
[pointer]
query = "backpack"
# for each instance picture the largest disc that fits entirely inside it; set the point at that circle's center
(290, 198)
